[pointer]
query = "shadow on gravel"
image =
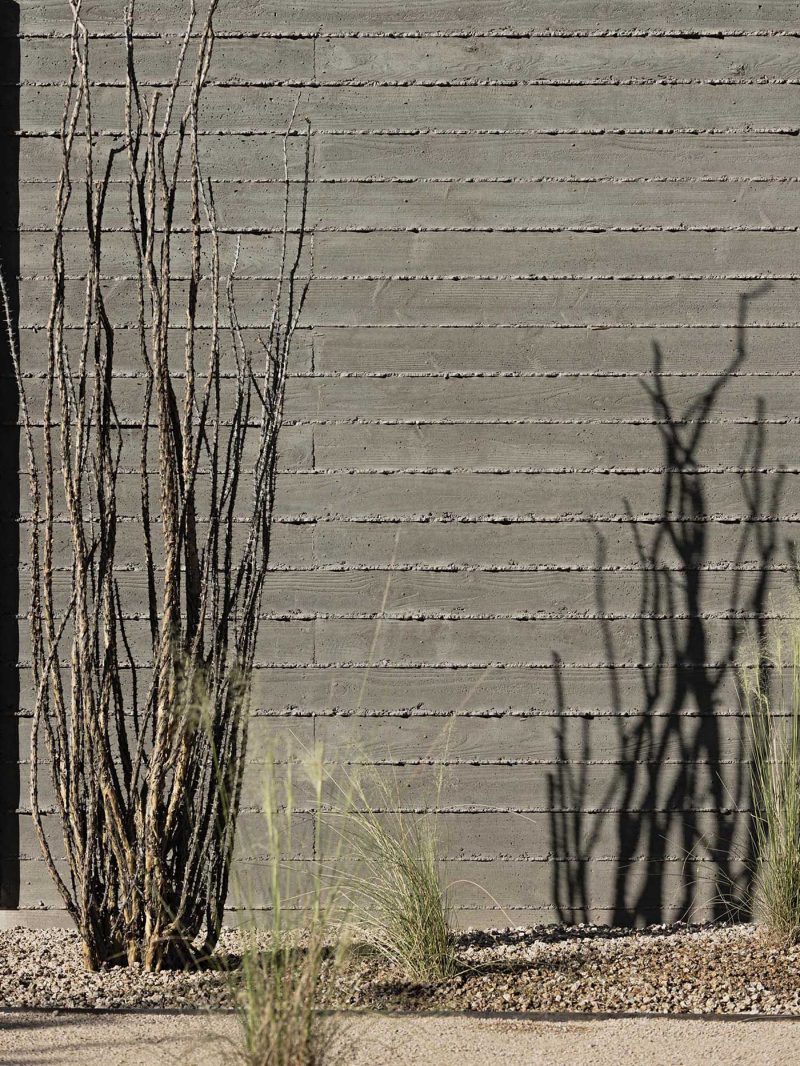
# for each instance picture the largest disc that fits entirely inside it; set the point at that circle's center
(557, 934)
(674, 817)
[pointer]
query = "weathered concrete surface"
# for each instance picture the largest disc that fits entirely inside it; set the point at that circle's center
(374, 1040)
(488, 506)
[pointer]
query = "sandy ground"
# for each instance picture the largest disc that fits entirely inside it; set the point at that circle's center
(380, 1040)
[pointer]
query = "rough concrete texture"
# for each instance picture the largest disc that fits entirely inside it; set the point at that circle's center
(489, 508)
(381, 1040)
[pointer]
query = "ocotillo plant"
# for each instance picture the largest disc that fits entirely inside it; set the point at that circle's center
(141, 713)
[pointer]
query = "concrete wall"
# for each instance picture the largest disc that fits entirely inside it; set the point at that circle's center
(505, 568)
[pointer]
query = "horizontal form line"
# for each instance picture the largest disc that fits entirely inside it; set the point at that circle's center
(545, 325)
(523, 374)
(467, 809)
(475, 568)
(449, 665)
(255, 763)
(505, 33)
(420, 422)
(501, 471)
(465, 375)
(410, 83)
(131, 423)
(450, 131)
(256, 859)
(708, 179)
(498, 518)
(472, 375)
(266, 231)
(319, 132)
(668, 276)
(400, 615)
(333, 712)
(546, 471)
(543, 179)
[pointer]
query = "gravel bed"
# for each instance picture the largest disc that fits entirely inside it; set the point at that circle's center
(43, 968)
(663, 969)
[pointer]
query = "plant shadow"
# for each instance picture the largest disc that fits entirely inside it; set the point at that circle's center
(668, 839)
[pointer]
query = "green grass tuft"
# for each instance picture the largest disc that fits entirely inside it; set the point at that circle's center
(396, 896)
(278, 984)
(772, 701)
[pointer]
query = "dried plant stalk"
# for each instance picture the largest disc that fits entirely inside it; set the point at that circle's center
(145, 738)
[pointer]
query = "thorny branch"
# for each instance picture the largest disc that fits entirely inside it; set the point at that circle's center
(144, 724)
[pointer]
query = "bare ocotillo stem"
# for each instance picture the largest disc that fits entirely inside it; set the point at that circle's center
(141, 714)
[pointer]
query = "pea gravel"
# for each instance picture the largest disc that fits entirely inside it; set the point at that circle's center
(664, 969)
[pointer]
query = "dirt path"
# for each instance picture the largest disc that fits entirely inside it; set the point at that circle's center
(28, 1039)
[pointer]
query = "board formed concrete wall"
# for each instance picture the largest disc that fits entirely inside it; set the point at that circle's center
(531, 500)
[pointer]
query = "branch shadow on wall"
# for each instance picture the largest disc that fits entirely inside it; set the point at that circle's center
(666, 836)
(9, 461)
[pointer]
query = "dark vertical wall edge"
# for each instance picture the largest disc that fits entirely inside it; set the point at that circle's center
(9, 459)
